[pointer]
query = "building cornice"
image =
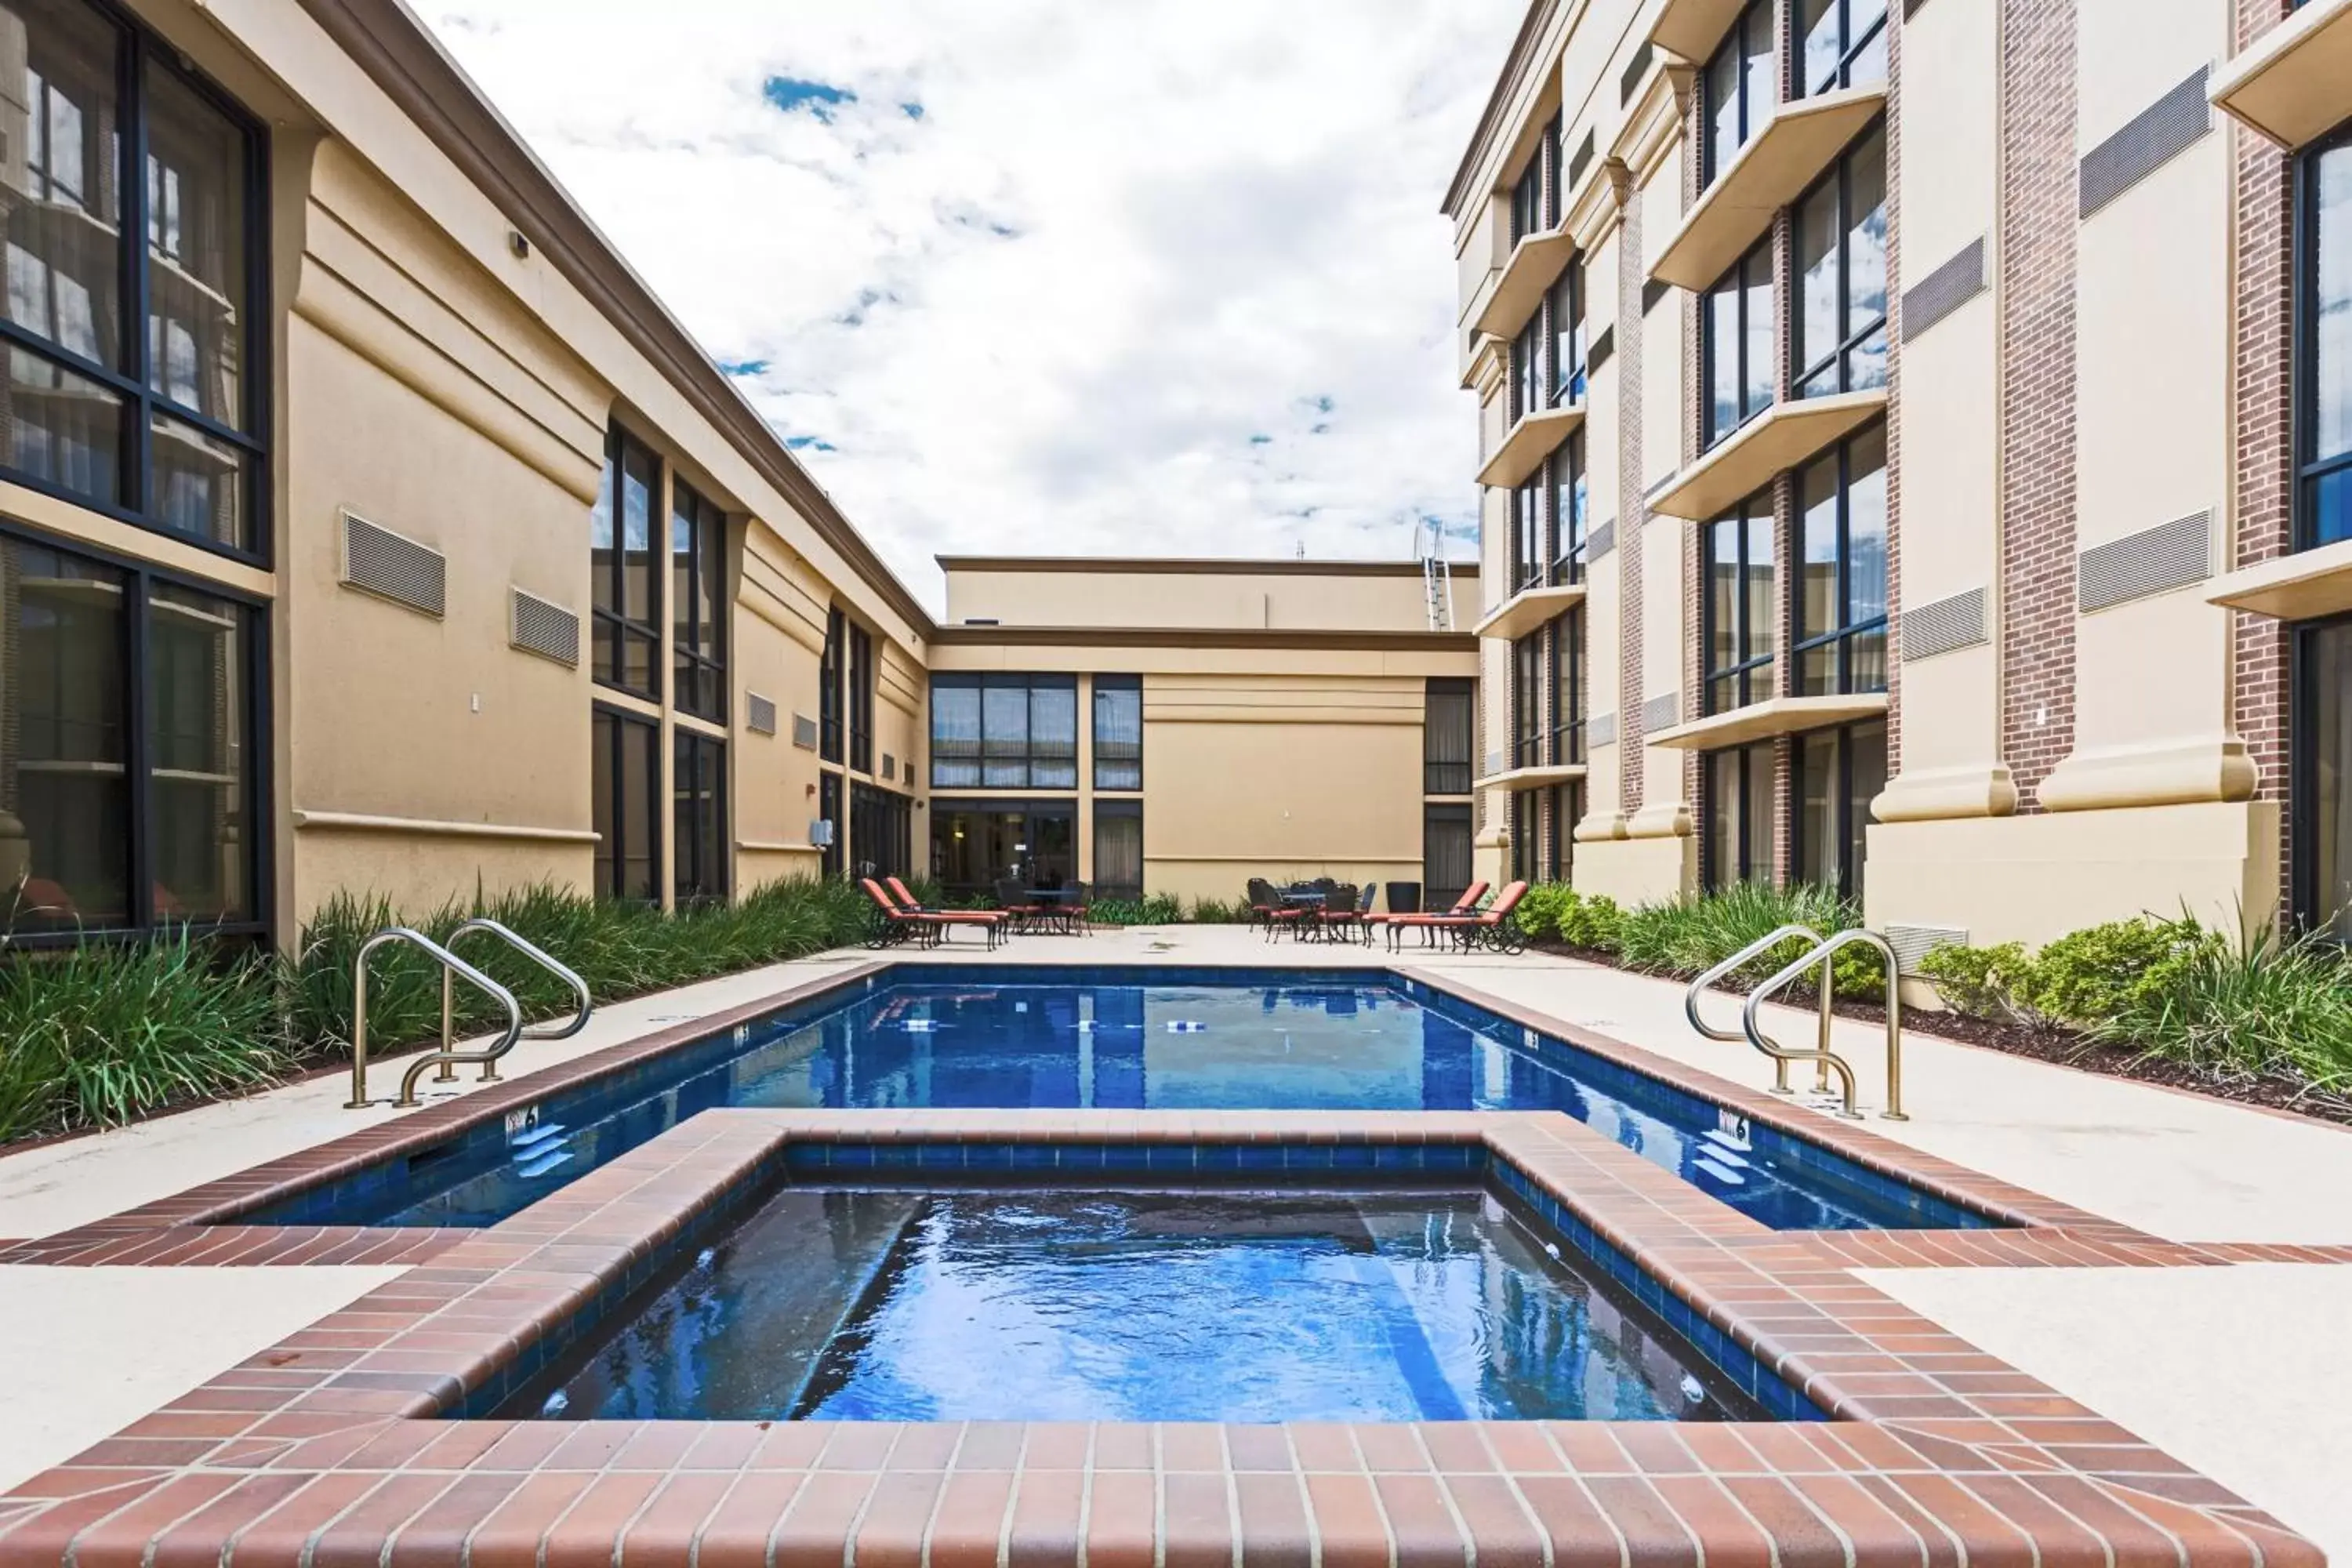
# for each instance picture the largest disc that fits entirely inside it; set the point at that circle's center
(402, 58)
(1494, 131)
(1190, 565)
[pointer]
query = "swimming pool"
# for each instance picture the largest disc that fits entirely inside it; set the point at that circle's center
(1001, 1036)
(898, 1303)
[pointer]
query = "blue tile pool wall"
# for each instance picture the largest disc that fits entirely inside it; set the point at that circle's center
(647, 1096)
(925, 1160)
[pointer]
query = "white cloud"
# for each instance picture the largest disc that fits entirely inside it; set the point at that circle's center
(1059, 276)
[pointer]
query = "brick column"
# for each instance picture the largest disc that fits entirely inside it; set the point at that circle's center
(1633, 510)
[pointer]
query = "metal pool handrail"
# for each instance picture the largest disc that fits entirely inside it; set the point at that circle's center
(448, 1058)
(449, 963)
(1825, 955)
(1780, 1059)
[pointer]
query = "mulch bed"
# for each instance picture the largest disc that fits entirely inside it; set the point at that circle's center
(2061, 1045)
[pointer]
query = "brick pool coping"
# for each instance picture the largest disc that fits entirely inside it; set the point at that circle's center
(320, 1451)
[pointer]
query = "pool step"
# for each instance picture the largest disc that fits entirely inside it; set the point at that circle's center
(538, 1150)
(1721, 1172)
(1723, 1146)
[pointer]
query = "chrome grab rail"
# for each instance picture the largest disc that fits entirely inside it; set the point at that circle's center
(449, 1056)
(450, 963)
(1780, 1059)
(1824, 956)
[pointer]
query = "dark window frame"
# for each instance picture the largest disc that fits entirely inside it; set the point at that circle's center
(138, 48)
(1122, 810)
(1833, 372)
(1753, 814)
(1568, 683)
(1030, 758)
(1736, 45)
(699, 651)
(1571, 530)
(1850, 50)
(260, 781)
(2302, 772)
(625, 628)
(1115, 686)
(656, 819)
(1443, 774)
(1529, 384)
(1843, 637)
(884, 819)
(1535, 194)
(1570, 378)
(1527, 701)
(1446, 819)
(691, 882)
(1742, 672)
(1528, 504)
(1848, 881)
(1565, 801)
(2307, 471)
(832, 802)
(1755, 393)
(830, 674)
(861, 698)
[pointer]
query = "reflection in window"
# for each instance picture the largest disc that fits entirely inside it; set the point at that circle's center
(861, 698)
(1118, 732)
(1447, 727)
(1119, 849)
(626, 793)
(1841, 551)
(1567, 342)
(1844, 44)
(1740, 86)
(627, 578)
(2324, 418)
(1526, 533)
(881, 827)
(1839, 773)
(1527, 701)
(1572, 509)
(2325, 716)
(699, 804)
(698, 570)
(828, 679)
(153, 415)
(1737, 841)
(1737, 620)
(74, 809)
(1736, 330)
(1445, 855)
(1568, 692)
(1838, 331)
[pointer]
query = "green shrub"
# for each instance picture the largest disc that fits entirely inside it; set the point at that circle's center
(1541, 907)
(1593, 920)
(100, 1035)
(2089, 976)
(2266, 1004)
(1220, 912)
(1988, 981)
(1688, 936)
(1152, 909)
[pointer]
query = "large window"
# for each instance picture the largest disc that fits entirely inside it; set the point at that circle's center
(1741, 88)
(1735, 343)
(828, 682)
(627, 587)
(861, 700)
(1841, 562)
(1565, 805)
(698, 796)
(977, 844)
(1843, 44)
(134, 217)
(2323, 828)
(2323, 390)
(1445, 857)
(1839, 773)
(1005, 731)
(1736, 618)
(828, 808)
(1534, 201)
(698, 570)
(1838, 333)
(1118, 732)
(1527, 534)
(1529, 384)
(1568, 688)
(1448, 728)
(1527, 701)
(1567, 342)
(626, 800)
(881, 825)
(129, 798)
(1737, 843)
(1571, 511)
(1119, 849)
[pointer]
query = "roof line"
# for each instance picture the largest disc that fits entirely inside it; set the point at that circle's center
(400, 55)
(1489, 118)
(1205, 566)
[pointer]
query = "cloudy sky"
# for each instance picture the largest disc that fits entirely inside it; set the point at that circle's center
(1070, 276)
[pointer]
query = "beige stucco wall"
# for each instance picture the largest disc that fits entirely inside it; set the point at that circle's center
(1389, 596)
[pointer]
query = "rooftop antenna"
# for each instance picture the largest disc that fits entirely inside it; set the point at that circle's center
(1302, 549)
(1437, 573)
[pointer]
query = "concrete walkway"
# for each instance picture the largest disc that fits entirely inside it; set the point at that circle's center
(2185, 1357)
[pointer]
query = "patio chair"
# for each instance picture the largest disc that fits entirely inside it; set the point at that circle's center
(1467, 904)
(896, 926)
(990, 921)
(1286, 915)
(1014, 900)
(1262, 900)
(1078, 899)
(1490, 928)
(1344, 915)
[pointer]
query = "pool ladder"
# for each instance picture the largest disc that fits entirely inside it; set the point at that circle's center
(1820, 954)
(454, 968)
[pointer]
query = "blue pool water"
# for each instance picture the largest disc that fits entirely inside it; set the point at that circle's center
(1001, 1037)
(1059, 1305)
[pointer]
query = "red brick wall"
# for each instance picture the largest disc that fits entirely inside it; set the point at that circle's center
(2037, 374)
(1893, 391)
(1632, 511)
(2264, 508)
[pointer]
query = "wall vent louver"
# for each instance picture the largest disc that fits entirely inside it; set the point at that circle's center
(379, 562)
(1942, 625)
(2146, 144)
(805, 731)
(2139, 565)
(1945, 290)
(1660, 712)
(759, 713)
(890, 767)
(1601, 731)
(1602, 540)
(544, 627)
(1913, 944)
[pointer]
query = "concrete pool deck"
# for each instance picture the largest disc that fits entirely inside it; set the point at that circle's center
(2169, 1165)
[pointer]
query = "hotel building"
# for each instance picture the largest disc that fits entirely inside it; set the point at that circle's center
(1916, 454)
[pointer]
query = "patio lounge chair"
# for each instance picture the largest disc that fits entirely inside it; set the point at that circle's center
(1491, 927)
(992, 922)
(1467, 904)
(897, 926)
